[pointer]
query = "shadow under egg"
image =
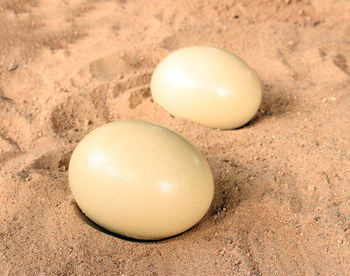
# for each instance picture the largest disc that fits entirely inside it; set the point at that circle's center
(99, 228)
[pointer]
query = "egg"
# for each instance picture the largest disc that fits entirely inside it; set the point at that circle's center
(207, 85)
(141, 180)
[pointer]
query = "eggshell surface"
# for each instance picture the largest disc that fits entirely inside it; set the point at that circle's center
(140, 180)
(208, 85)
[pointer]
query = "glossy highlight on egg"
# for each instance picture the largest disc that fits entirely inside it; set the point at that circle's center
(140, 180)
(207, 85)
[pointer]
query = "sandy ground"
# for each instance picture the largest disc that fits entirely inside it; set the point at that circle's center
(282, 199)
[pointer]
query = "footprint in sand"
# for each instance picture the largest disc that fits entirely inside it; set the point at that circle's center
(77, 114)
(128, 72)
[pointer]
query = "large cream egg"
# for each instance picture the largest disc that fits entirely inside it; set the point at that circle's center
(207, 85)
(140, 180)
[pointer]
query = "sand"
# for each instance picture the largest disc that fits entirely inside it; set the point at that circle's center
(282, 196)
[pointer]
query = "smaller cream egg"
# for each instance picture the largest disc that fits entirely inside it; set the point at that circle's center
(140, 180)
(207, 85)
